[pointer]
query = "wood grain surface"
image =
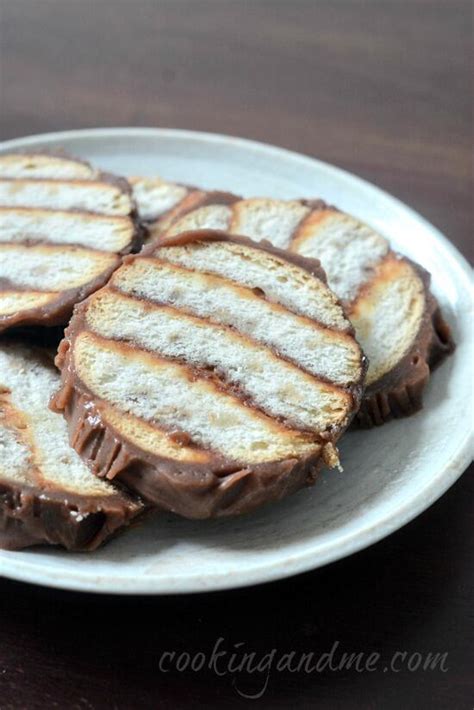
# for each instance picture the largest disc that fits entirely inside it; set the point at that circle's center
(383, 89)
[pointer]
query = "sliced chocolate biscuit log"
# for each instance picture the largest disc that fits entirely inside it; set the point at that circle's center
(47, 493)
(63, 229)
(386, 296)
(211, 375)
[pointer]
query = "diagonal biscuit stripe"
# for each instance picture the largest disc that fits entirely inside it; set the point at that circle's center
(254, 372)
(348, 249)
(98, 232)
(13, 300)
(56, 166)
(84, 195)
(16, 443)
(169, 395)
(277, 224)
(150, 438)
(213, 216)
(48, 267)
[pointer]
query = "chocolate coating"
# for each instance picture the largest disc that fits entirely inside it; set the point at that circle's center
(191, 490)
(30, 516)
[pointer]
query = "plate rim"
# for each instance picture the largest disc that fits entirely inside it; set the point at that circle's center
(296, 563)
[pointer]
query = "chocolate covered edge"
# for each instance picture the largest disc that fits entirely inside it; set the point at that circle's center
(31, 516)
(204, 494)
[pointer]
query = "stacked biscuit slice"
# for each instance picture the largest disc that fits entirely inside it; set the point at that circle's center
(64, 227)
(218, 347)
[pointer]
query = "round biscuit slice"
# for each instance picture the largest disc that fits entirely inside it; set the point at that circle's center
(211, 375)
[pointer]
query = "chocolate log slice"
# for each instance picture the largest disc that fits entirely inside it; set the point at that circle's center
(47, 493)
(63, 229)
(386, 296)
(211, 375)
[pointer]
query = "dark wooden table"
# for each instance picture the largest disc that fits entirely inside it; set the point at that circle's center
(381, 88)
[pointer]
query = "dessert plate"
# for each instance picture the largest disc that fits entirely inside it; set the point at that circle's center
(391, 474)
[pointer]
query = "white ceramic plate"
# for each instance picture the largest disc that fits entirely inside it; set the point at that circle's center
(391, 474)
